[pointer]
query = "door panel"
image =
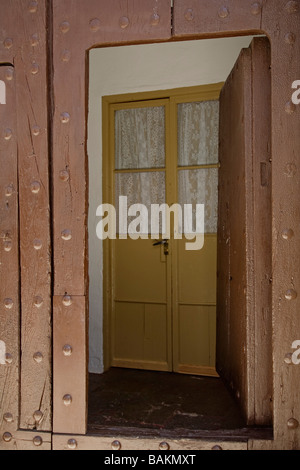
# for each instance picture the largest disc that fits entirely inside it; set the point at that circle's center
(243, 311)
(141, 319)
(197, 272)
(141, 336)
(135, 279)
(197, 342)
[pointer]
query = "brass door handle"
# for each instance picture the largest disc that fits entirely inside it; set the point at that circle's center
(165, 243)
(160, 242)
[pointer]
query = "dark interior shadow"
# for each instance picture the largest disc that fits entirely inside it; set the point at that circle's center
(148, 403)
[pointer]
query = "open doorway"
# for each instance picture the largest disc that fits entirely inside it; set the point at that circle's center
(98, 361)
(160, 161)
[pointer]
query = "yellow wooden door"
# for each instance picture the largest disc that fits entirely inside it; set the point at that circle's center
(160, 297)
(141, 302)
(194, 271)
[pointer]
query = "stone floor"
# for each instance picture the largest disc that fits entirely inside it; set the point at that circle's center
(149, 403)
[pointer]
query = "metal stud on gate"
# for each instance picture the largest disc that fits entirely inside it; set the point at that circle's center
(33, 6)
(37, 244)
(7, 134)
(34, 40)
(292, 6)
(8, 43)
(37, 441)
(35, 68)
(67, 350)
(65, 27)
(95, 24)
(7, 245)
(67, 300)
(287, 234)
(35, 187)
(9, 190)
(290, 294)
(38, 416)
(72, 444)
(8, 417)
(66, 56)
(290, 107)
(36, 130)
(116, 445)
(164, 446)
(155, 19)
(256, 8)
(9, 74)
(64, 176)
(67, 399)
(38, 357)
(124, 22)
(223, 12)
(7, 437)
(292, 423)
(38, 301)
(65, 117)
(8, 304)
(8, 358)
(290, 38)
(189, 14)
(288, 358)
(66, 235)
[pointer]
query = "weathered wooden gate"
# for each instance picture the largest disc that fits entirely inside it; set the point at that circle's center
(244, 347)
(43, 200)
(25, 226)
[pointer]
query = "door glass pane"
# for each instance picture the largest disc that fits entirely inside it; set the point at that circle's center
(140, 138)
(140, 188)
(198, 133)
(200, 187)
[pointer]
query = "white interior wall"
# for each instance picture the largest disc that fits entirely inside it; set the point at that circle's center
(125, 69)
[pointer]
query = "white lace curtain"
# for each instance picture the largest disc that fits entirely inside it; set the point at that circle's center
(198, 133)
(200, 187)
(141, 188)
(140, 144)
(198, 142)
(140, 138)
